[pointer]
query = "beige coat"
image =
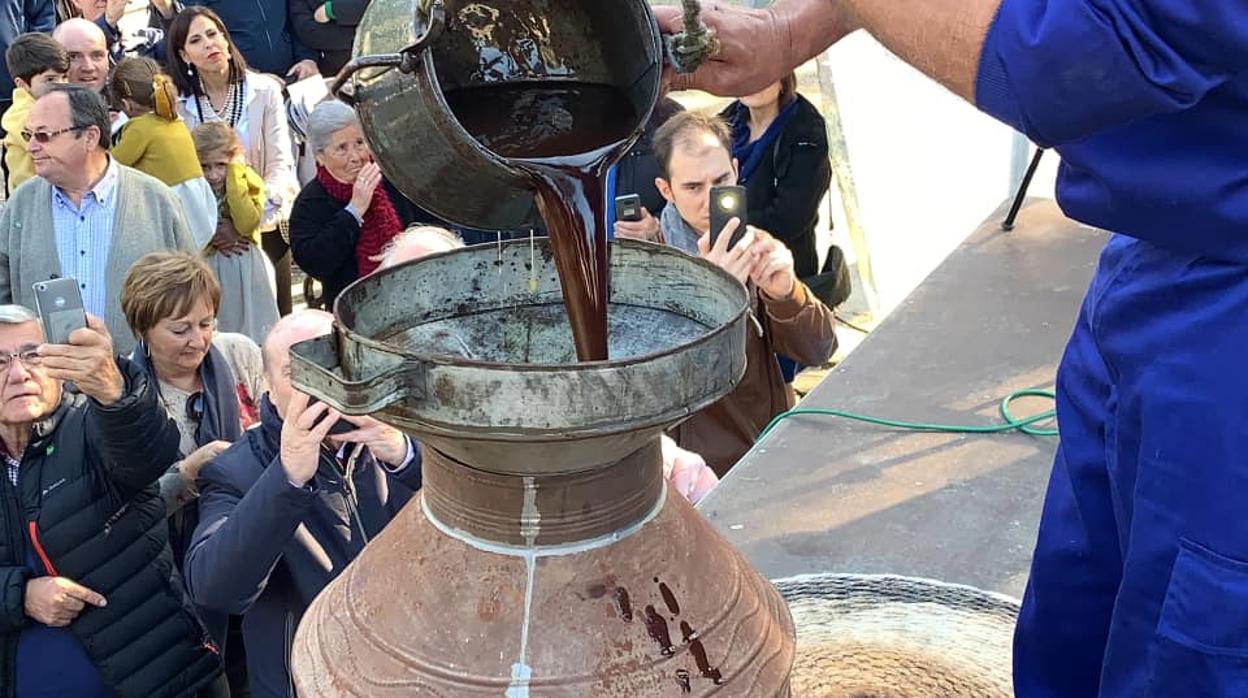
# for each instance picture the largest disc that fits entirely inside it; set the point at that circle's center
(265, 134)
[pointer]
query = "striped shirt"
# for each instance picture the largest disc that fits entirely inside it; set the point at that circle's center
(14, 464)
(84, 234)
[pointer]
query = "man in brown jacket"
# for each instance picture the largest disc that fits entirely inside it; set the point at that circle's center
(694, 153)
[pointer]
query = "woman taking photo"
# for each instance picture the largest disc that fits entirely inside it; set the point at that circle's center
(209, 382)
(214, 84)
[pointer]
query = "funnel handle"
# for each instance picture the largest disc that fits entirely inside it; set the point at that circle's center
(431, 14)
(315, 369)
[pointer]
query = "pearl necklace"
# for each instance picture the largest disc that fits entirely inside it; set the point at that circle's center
(232, 111)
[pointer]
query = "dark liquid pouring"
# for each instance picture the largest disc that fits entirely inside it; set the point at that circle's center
(563, 135)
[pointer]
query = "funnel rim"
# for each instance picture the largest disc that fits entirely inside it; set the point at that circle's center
(385, 347)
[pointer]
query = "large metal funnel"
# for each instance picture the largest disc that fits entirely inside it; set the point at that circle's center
(471, 351)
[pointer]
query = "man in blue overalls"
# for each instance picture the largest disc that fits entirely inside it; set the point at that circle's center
(1139, 585)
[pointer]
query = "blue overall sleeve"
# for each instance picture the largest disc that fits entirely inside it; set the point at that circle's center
(1060, 70)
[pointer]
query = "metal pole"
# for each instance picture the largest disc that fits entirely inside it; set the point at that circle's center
(1008, 223)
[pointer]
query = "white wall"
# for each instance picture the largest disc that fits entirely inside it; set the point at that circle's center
(928, 167)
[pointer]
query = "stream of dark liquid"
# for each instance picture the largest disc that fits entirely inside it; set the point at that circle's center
(562, 135)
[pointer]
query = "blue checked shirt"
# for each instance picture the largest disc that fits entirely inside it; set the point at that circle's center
(84, 235)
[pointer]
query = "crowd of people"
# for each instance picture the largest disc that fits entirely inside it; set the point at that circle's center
(173, 503)
(141, 551)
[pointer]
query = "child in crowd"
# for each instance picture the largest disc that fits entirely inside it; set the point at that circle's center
(155, 141)
(248, 299)
(35, 61)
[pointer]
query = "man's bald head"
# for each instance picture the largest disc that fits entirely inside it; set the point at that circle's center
(419, 241)
(87, 48)
(294, 328)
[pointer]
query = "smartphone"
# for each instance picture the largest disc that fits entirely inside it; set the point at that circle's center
(727, 202)
(628, 208)
(59, 305)
(340, 427)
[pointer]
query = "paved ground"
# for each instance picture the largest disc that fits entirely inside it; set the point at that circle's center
(826, 495)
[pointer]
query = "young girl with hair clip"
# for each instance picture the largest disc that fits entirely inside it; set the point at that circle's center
(248, 298)
(156, 141)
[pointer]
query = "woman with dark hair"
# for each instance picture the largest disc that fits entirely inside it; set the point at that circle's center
(780, 142)
(214, 84)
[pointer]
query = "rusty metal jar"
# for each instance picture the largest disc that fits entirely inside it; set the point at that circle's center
(411, 53)
(544, 555)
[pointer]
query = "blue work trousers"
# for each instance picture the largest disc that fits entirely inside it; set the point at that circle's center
(1139, 585)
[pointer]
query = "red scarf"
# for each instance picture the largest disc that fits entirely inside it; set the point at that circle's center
(381, 223)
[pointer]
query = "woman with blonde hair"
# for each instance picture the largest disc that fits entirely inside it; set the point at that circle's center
(156, 141)
(209, 383)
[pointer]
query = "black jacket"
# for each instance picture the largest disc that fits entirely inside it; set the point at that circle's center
(265, 548)
(323, 234)
(330, 41)
(88, 503)
(785, 192)
(637, 170)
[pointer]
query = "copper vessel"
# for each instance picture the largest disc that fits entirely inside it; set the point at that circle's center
(544, 555)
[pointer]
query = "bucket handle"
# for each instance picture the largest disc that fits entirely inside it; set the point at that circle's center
(431, 14)
(316, 370)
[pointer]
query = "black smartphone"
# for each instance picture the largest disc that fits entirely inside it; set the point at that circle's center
(628, 208)
(59, 305)
(340, 427)
(727, 202)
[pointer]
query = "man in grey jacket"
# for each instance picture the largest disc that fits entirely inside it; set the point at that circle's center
(84, 215)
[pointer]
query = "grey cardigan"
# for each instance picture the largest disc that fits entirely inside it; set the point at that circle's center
(148, 219)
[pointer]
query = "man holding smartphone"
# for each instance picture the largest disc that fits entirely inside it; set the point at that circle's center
(694, 153)
(83, 215)
(90, 603)
(290, 505)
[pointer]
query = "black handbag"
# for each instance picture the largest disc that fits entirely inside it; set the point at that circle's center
(832, 284)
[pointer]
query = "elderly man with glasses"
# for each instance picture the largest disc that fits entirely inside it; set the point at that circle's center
(90, 602)
(84, 215)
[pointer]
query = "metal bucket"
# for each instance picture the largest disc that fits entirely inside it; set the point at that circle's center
(544, 555)
(410, 52)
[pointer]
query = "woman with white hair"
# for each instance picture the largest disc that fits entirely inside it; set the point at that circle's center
(345, 217)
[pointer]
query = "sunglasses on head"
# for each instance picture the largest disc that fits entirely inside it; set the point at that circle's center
(46, 136)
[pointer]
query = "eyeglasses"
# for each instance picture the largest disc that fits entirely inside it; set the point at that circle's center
(44, 137)
(195, 407)
(29, 357)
